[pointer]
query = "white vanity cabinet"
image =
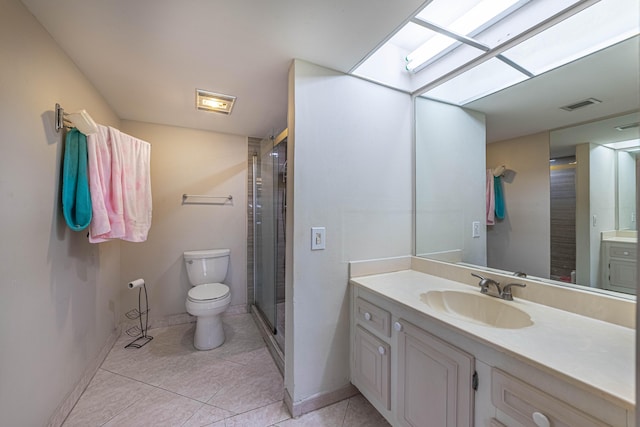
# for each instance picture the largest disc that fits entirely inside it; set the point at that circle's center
(532, 407)
(434, 380)
(412, 377)
(619, 266)
(419, 370)
(371, 353)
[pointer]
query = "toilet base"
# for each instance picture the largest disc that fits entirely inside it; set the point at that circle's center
(209, 332)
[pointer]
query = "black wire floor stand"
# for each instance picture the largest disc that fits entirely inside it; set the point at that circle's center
(140, 333)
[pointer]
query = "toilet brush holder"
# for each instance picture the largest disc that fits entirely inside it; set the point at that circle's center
(139, 332)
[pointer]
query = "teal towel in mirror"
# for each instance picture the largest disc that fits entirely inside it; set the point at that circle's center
(499, 197)
(76, 199)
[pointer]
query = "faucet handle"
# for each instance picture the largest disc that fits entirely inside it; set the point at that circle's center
(520, 274)
(485, 282)
(484, 287)
(506, 291)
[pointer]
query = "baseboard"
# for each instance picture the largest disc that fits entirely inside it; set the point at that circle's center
(318, 401)
(64, 409)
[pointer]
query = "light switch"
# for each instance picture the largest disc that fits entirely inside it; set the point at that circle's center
(475, 229)
(317, 238)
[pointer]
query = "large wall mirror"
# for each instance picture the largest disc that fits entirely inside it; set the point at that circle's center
(567, 177)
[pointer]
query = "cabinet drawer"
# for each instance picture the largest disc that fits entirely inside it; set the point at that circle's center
(373, 317)
(624, 252)
(522, 402)
(372, 367)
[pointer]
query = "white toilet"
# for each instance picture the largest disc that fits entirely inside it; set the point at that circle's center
(208, 298)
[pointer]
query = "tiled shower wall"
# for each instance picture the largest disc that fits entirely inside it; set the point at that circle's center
(254, 148)
(281, 149)
(563, 218)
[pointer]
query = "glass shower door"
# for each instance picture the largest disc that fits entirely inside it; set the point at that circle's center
(266, 179)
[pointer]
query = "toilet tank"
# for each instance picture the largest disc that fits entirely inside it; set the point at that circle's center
(207, 266)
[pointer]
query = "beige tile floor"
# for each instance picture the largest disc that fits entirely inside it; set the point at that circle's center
(169, 383)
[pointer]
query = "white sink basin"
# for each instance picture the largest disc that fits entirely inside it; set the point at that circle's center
(477, 308)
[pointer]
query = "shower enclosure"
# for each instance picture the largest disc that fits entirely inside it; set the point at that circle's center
(269, 205)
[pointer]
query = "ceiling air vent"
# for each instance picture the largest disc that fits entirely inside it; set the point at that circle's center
(581, 104)
(627, 127)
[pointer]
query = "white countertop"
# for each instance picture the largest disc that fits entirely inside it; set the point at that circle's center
(620, 239)
(583, 350)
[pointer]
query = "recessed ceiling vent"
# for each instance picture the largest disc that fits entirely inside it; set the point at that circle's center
(627, 127)
(581, 104)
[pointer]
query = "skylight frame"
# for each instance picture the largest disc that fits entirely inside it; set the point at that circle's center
(532, 19)
(450, 35)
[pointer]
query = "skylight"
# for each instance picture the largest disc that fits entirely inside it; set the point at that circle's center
(448, 44)
(597, 27)
(624, 145)
(466, 23)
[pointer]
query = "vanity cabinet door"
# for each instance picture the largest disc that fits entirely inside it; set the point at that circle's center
(619, 267)
(622, 276)
(372, 367)
(434, 381)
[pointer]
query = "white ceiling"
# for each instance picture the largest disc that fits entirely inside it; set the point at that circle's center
(147, 57)
(611, 76)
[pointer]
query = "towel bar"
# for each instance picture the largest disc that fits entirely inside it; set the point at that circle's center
(228, 198)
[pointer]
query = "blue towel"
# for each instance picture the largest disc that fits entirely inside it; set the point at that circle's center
(499, 197)
(76, 199)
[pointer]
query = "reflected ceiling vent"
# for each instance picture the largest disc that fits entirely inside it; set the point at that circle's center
(627, 127)
(214, 102)
(581, 104)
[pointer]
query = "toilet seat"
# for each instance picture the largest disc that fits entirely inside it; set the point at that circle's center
(208, 292)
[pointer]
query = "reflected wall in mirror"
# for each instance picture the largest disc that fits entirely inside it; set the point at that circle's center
(569, 199)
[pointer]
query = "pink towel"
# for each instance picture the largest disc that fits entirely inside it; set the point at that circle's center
(491, 201)
(120, 183)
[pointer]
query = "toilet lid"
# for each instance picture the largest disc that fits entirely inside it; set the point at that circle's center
(208, 291)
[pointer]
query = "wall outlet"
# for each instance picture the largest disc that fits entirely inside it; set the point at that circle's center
(317, 238)
(475, 229)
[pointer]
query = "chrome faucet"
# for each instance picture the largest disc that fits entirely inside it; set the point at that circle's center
(506, 292)
(485, 283)
(502, 293)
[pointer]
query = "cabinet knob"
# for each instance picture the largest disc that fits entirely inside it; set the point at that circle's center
(540, 420)
(397, 326)
(626, 252)
(381, 350)
(367, 316)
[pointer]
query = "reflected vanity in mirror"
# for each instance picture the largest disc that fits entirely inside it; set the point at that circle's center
(569, 185)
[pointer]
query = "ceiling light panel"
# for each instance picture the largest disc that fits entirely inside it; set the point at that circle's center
(597, 27)
(214, 102)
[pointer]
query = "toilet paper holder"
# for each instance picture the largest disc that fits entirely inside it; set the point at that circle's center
(139, 332)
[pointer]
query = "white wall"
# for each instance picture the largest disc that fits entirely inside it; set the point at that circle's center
(58, 293)
(602, 202)
(193, 162)
(626, 167)
(521, 242)
(450, 180)
(350, 153)
(595, 203)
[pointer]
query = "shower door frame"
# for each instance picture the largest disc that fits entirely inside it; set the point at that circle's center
(267, 310)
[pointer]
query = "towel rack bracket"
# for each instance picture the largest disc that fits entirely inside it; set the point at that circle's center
(59, 117)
